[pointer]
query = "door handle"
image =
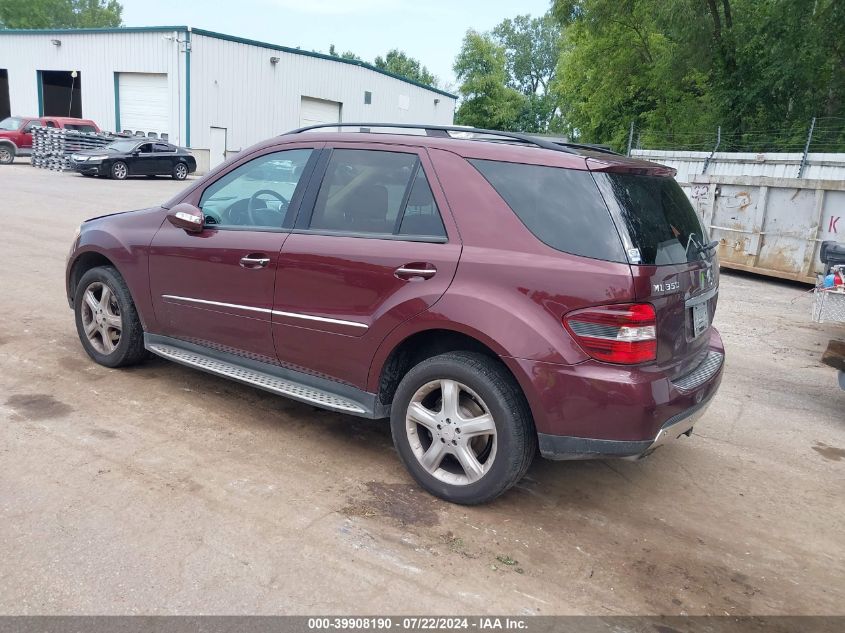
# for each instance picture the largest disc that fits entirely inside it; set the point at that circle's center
(409, 271)
(254, 261)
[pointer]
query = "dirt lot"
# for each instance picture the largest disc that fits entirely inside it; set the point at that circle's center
(164, 490)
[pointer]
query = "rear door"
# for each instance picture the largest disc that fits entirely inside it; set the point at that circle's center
(165, 158)
(374, 245)
(672, 267)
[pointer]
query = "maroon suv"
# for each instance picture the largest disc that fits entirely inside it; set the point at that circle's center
(488, 292)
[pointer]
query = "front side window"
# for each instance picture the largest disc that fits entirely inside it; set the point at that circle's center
(145, 148)
(28, 127)
(376, 192)
(256, 194)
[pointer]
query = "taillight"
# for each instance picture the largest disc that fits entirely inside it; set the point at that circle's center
(625, 333)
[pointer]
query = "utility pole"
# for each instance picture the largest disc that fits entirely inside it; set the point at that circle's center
(806, 149)
(715, 149)
(630, 137)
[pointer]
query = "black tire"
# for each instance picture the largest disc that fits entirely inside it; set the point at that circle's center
(180, 171)
(515, 434)
(7, 154)
(130, 347)
(119, 170)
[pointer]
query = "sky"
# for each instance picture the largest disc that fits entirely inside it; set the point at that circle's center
(429, 30)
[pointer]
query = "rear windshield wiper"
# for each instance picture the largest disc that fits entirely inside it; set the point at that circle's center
(699, 247)
(705, 248)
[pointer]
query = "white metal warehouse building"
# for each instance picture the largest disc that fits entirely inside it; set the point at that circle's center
(214, 93)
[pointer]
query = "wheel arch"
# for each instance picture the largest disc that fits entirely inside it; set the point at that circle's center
(81, 264)
(394, 359)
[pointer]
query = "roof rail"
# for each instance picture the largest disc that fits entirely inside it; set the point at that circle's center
(442, 131)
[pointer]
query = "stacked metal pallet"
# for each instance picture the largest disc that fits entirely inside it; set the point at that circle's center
(52, 147)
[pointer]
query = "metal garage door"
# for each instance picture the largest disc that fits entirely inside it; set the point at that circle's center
(314, 111)
(144, 102)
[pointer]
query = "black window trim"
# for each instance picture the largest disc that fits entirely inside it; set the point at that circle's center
(295, 201)
(306, 209)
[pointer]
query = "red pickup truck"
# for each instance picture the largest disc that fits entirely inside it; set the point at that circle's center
(16, 133)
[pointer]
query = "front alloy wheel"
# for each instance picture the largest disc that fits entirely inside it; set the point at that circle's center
(119, 171)
(6, 155)
(101, 318)
(106, 318)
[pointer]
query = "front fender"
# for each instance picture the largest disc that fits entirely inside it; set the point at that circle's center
(123, 240)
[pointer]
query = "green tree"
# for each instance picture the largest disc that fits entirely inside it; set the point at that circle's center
(488, 102)
(532, 49)
(401, 64)
(345, 55)
(760, 69)
(60, 14)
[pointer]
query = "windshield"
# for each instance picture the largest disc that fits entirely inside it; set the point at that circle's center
(121, 146)
(10, 123)
(657, 221)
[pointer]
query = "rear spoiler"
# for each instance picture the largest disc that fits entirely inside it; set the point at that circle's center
(624, 165)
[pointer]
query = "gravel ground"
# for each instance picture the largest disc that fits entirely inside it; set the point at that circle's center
(162, 490)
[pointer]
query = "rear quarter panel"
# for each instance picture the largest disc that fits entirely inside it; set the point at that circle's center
(510, 290)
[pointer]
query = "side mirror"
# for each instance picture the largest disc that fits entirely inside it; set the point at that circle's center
(188, 217)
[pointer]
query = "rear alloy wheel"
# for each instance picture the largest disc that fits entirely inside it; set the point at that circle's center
(7, 155)
(119, 170)
(106, 319)
(180, 172)
(462, 427)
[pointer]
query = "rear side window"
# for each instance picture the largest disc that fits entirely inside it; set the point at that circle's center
(376, 192)
(561, 207)
(655, 217)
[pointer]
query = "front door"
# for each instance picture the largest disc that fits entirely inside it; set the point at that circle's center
(215, 288)
(374, 245)
(143, 161)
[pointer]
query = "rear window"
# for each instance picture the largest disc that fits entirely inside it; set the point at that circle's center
(657, 221)
(81, 127)
(561, 207)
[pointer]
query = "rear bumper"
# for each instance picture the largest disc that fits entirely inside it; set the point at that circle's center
(561, 447)
(599, 410)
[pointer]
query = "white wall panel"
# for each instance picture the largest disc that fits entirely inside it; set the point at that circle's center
(234, 85)
(820, 166)
(98, 56)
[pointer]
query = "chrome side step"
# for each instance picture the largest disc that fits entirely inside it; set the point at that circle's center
(257, 378)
